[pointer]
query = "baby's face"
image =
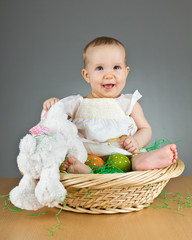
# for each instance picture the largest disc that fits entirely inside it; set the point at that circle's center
(106, 70)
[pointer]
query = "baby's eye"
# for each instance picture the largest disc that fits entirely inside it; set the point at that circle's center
(117, 67)
(99, 68)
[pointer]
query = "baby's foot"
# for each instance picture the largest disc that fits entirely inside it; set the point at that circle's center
(158, 158)
(72, 165)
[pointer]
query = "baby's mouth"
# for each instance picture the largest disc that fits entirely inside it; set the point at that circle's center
(108, 86)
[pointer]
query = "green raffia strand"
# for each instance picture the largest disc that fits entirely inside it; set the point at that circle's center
(54, 227)
(49, 231)
(59, 224)
(189, 196)
(68, 195)
(73, 166)
(7, 203)
(16, 209)
(38, 146)
(88, 194)
(4, 195)
(44, 135)
(148, 187)
(177, 213)
(64, 205)
(178, 195)
(157, 144)
(39, 214)
(181, 202)
(60, 212)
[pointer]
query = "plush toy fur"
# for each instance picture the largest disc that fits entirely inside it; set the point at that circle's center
(39, 160)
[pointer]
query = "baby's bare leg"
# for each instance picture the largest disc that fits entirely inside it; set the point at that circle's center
(72, 165)
(158, 158)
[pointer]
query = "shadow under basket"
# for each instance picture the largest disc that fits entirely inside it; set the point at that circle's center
(117, 192)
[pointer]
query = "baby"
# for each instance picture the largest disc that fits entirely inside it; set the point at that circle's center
(107, 120)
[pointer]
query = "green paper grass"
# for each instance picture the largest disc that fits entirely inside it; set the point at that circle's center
(16, 209)
(4, 195)
(159, 143)
(49, 231)
(38, 214)
(179, 202)
(88, 194)
(8, 202)
(44, 135)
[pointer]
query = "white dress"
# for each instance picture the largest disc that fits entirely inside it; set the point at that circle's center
(103, 122)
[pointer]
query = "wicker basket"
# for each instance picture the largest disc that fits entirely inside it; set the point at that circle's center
(117, 192)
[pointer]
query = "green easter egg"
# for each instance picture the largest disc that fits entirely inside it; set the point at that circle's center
(118, 160)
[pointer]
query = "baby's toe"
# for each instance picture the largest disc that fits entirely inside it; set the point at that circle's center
(71, 159)
(173, 148)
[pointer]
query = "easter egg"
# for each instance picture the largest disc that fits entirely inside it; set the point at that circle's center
(94, 161)
(118, 160)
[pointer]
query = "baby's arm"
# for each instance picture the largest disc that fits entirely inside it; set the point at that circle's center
(144, 132)
(49, 103)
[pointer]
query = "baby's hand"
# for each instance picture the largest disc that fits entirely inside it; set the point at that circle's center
(49, 103)
(130, 145)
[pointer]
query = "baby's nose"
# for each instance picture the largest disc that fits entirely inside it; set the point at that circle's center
(108, 76)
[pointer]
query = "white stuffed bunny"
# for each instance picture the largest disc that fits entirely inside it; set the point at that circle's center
(40, 157)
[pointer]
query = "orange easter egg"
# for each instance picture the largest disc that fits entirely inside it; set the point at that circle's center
(94, 161)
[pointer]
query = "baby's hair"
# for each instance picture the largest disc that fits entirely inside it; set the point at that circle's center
(102, 41)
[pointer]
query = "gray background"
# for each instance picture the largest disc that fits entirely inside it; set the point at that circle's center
(41, 56)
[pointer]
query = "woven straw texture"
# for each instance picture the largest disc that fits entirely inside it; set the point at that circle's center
(117, 192)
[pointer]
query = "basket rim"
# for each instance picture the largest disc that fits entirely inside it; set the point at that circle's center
(135, 178)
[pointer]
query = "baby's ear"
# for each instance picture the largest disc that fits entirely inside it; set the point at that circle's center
(127, 69)
(85, 74)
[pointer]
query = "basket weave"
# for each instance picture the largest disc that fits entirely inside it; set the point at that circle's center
(117, 192)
